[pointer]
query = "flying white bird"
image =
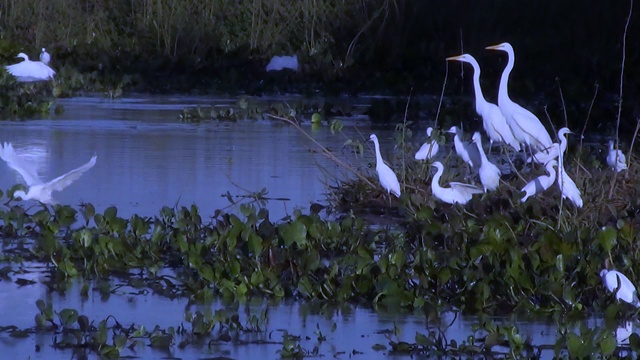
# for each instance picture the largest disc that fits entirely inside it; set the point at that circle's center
(525, 126)
(544, 156)
(466, 151)
(542, 182)
(613, 280)
(39, 190)
(493, 122)
(489, 172)
(567, 186)
(388, 178)
(616, 159)
(29, 71)
(456, 193)
(429, 149)
(45, 57)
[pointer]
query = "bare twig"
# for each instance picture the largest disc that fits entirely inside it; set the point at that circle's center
(444, 85)
(633, 141)
(584, 128)
(404, 134)
(564, 107)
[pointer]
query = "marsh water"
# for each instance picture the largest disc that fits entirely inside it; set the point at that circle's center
(148, 159)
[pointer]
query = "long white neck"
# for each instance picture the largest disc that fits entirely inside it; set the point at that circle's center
(552, 173)
(563, 143)
(435, 182)
(378, 156)
(483, 156)
(503, 92)
(480, 100)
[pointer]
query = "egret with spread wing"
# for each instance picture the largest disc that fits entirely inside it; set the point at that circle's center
(456, 192)
(30, 71)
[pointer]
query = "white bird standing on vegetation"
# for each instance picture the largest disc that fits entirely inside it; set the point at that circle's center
(466, 151)
(456, 193)
(388, 178)
(493, 122)
(616, 159)
(567, 186)
(626, 291)
(429, 149)
(45, 57)
(37, 189)
(489, 172)
(541, 183)
(29, 71)
(526, 127)
(544, 156)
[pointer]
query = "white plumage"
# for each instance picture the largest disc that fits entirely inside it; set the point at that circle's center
(544, 156)
(567, 186)
(429, 149)
(39, 190)
(468, 152)
(616, 159)
(456, 193)
(626, 292)
(542, 182)
(45, 57)
(29, 71)
(489, 172)
(388, 178)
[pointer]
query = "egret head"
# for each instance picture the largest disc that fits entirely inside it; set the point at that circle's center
(562, 132)
(43, 50)
(373, 137)
(611, 144)
(23, 55)
(551, 164)
(453, 130)
(476, 137)
(19, 194)
(438, 165)
(463, 58)
(603, 272)
(505, 46)
(429, 131)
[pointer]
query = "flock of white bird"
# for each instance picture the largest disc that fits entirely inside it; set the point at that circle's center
(31, 71)
(506, 123)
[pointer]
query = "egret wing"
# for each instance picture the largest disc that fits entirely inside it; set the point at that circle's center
(67, 179)
(17, 163)
(466, 189)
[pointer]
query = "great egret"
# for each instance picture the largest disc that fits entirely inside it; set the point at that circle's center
(544, 156)
(542, 182)
(45, 57)
(489, 172)
(456, 193)
(39, 190)
(388, 178)
(567, 186)
(613, 280)
(466, 151)
(493, 122)
(616, 159)
(525, 126)
(29, 71)
(429, 149)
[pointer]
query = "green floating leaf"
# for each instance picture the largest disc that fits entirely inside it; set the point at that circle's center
(607, 238)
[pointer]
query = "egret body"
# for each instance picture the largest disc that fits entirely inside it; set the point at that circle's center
(456, 193)
(45, 57)
(616, 159)
(541, 183)
(489, 172)
(567, 186)
(30, 71)
(613, 280)
(429, 149)
(388, 178)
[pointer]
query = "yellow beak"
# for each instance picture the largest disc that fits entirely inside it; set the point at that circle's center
(454, 57)
(493, 47)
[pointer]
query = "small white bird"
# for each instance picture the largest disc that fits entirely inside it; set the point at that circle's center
(429, 149)
(456, 193)
(526, 127)
(542, 182)
(29, 71)
(278, 63)
(45, 57)
(388, 178)
(37, 189)
(544, 156)
(616, 159)
(494, 123)
(613, 280)
(489, 172)
(466, 151)
(567, 186)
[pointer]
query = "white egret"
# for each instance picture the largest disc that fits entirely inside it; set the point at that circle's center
(278, 63)
(388, 178)
(542, 182)
(45, 57)
(493, 122)
(616, 159)
(567, 186)
(29, 71)
(429, 149)
(489, 172)
(544, 156)
(523, 123)
(626, 291)
(39, 190)
(466, 151)
(456, 193)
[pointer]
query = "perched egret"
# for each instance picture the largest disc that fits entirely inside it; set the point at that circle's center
(456, 193)
(489, 172)
(626, 291)
(567, 186)
(45, 57)
(544, 156)
(429, 149)
(29, 71)
(616, 159)
(494, 123)
(388, 178)
(39, 190)
(523, 123)
(542, 182)
(466, 151)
